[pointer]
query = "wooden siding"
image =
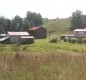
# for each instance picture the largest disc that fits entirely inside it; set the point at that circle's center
(39, 33)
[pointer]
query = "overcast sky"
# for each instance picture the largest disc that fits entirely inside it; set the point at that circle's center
(47, 8)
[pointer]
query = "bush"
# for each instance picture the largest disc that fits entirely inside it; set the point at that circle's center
(54, 40)
(66, 39)
(84, 40)
(80, 41)
(72, 40)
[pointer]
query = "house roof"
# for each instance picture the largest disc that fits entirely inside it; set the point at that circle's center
(79, 30)
(24, 37)
(34, 28)
(18, 33)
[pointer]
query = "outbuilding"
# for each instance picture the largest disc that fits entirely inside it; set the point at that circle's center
(16, 36)
(38, 32)
(26, 39)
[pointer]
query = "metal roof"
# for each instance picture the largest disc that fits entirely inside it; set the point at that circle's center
(79, 30)
(4, 38)
(34, 28)
(18, 33)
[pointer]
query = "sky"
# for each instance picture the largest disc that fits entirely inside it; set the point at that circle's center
(47, 8)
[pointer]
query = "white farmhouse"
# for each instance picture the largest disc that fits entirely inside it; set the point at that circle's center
(79, 32)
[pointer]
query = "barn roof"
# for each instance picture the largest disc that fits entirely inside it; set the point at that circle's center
(18, 33)
(79, 30)
(24, 37)
(34, 28)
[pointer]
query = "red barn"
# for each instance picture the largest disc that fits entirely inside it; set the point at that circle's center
(38, 32)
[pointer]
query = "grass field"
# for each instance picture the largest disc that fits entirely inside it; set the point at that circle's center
(58, 26)
(43, 61)
(42, 46)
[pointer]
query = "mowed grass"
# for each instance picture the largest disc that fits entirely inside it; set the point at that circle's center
(42, 46)
(43, 61)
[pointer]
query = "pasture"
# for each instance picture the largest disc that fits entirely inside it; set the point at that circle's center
(43, 61)
(42, 46)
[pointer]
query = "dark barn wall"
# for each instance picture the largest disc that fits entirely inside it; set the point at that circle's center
(32, 32)
(41, 33)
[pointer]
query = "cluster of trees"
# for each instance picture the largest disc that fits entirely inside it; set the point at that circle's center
(78, 20)
(20, 24)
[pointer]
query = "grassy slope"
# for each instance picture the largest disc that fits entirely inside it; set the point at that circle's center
(58, 26)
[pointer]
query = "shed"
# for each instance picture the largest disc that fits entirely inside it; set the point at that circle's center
(15, 36)
(4, 40)
(38, 32)
(26, 39)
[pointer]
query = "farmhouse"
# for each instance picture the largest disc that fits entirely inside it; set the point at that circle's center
(38, 32)
(79, 33)
(19, 37)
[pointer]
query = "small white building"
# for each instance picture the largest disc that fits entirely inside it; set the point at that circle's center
(79, 32)
(15, 36)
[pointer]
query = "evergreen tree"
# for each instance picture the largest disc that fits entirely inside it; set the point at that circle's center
(77, 20)
(26, 25)
(17, 23)
(9, 25)
(3, 23)
(34, 18)
(2, 31)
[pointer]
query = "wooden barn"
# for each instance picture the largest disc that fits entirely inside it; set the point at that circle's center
(15, 37)
(38, 32)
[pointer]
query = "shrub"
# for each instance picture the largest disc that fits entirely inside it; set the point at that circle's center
(66, 39)
(72, 40)
(84, 40)
(80, 41)
(54, 40)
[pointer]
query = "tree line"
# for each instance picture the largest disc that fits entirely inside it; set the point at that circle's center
(20, 24)
(78, 20)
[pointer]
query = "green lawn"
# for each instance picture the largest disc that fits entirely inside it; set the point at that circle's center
(42, 46)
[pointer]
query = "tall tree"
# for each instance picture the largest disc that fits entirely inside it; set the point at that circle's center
(3, 23)
(8, 25)
(2, 31)
(77, 20)
(36, 18)
(17, 23)
(32, 23)
(26, 25)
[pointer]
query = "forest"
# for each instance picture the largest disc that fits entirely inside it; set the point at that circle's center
(20, 24)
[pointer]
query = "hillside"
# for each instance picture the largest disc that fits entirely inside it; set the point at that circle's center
(58, 26)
